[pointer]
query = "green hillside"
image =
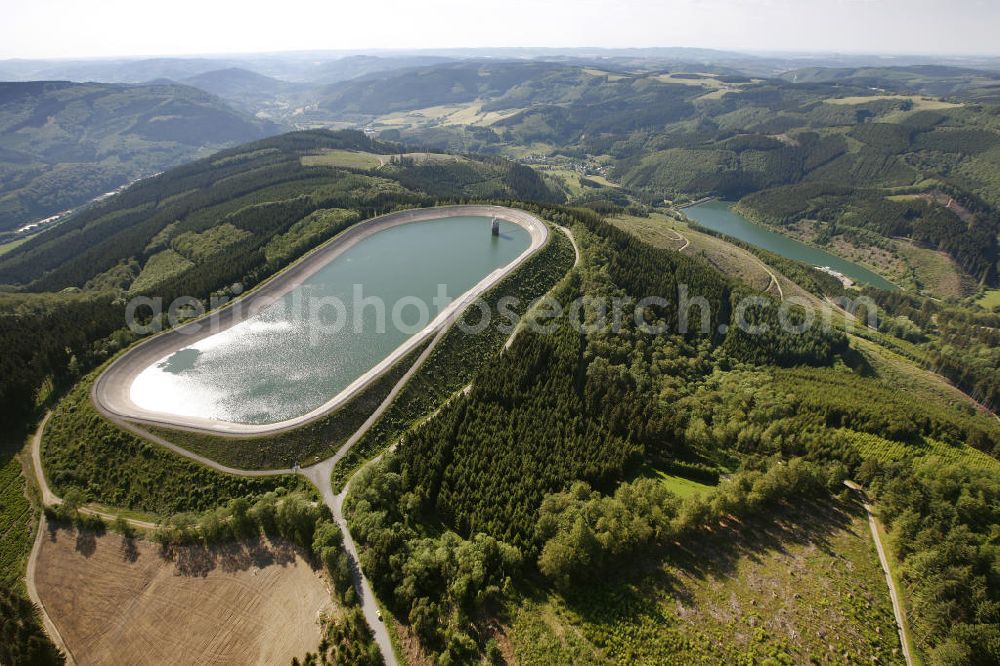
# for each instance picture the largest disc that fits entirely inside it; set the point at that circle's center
(645, 492)
(235, 217)
(63, 143)
(826, 155)
(531, 501)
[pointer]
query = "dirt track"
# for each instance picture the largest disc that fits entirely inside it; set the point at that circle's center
(897, 608)
(118, 602)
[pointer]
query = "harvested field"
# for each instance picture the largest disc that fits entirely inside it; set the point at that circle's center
(802, 585)
(661, 231)
(118, 601)
(935, 271)
(351, 159)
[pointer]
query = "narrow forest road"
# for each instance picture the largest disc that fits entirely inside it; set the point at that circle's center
(320, 476)
(29, 582)
(897, 607)
(682, 237)
(49, 498)
(774, 279)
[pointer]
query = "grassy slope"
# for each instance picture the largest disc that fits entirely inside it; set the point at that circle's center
(886, 356)
(805, 584)
(7, 247)
(681, 486)
(990, 299)
(351, 159)
(935, 271)
(662, 231)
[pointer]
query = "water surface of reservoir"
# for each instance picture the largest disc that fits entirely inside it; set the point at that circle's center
(719, 216)
(287, 360)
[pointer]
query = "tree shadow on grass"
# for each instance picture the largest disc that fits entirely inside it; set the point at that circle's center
(85, 539)
(52, 527)
(86, 542)
(200, 559)
(129, 549)
(716, 553)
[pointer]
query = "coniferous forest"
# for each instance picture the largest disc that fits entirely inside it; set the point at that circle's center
(543, 461)
(699, 475)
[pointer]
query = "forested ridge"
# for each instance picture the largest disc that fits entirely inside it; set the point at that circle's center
(838, 152)
(503, 463)
(63, 143)
(547, 473)
(972, 243)
(236, 217)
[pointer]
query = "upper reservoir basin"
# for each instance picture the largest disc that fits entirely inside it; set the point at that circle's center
(719, 216)
(294, 355)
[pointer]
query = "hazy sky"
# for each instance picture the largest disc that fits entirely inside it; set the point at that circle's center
(75, 28)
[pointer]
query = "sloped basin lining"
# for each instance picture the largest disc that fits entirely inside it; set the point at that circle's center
(111, 391)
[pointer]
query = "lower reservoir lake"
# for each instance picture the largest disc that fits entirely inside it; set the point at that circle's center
(289, 358)
(719, 216)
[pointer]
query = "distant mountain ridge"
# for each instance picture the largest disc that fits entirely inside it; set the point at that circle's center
(63, 143)
(418, 87)
(927, 79)
(233, 80)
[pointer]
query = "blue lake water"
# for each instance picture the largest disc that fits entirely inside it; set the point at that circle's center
(719, 216)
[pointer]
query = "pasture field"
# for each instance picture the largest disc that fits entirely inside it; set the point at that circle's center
(444, 115)
(700, 80)
(920, 103)
(161, 267)
(357, 159)
(573, 181)
(681, 486)
(592, 71)
(7, 247)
